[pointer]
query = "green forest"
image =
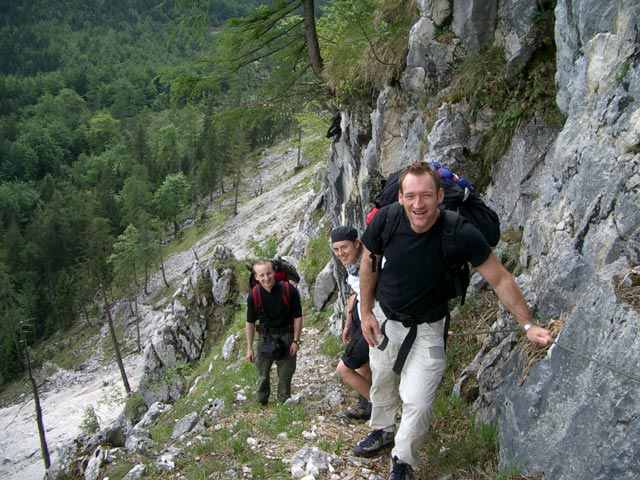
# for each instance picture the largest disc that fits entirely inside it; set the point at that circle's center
(119, 120)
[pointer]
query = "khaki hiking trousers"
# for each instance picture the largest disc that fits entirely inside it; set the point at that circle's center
(414, 389)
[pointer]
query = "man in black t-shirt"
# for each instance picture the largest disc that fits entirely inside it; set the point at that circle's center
(279, 317)
(409, 284)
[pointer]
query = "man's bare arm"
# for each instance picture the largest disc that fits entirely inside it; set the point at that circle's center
(297, 331)
(368, 281)
(511, 297)
(249, 330)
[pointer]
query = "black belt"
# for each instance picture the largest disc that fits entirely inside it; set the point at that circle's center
(411, 322)
(434, 315)
(274, 331)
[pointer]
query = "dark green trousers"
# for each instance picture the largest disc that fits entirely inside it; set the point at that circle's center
(286, 367)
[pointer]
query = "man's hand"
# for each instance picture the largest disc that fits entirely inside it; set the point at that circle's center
(346, 334)
(370, 328)
(293, 349)
(250, 330)
(540, 335)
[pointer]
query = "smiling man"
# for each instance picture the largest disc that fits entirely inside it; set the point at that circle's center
(411, 288)
(275, 307)
(353, 366)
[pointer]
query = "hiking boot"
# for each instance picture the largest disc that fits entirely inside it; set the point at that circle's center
(400, 470)
(375, 442)
(359, 411)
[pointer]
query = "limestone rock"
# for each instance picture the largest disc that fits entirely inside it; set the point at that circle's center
(324, 287)
(185, 425)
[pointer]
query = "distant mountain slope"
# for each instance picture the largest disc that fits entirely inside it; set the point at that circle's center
(66, 395)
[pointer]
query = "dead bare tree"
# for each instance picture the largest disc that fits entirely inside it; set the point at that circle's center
(24, 349)
(114, 338)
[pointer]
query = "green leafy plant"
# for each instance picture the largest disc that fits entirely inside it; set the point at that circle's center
(317, 254)
(267, 249)
(90, 422)
(481, 83)
(134, 407)
(623, 71)
(374, 55)
(464, 443)
(331, 345)
(203, 288)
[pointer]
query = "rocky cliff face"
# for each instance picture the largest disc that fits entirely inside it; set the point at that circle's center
(574, 192)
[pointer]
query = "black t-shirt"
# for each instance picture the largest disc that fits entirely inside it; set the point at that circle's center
(276, 313)
(411, 280)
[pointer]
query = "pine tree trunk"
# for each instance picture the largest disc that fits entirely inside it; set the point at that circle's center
(166, 284)
(114, 338)
(311, 36)
(36, 400)
(41, 431)
(146, 278)
(135, 299)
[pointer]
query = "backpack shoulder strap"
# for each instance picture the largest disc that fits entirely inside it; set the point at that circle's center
(394, 214)
(286, 296)
(451, 221)
(257, 298)
(391, 222)
(456, 270)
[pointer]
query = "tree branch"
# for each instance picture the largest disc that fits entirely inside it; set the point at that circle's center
(278, 9)
(269, 40)
(373, 50)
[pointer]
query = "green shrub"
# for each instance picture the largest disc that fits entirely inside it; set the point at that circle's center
(331, 345)
(267, 249)
(481, 83)
(204, 287)
(469, 443)
(134, 407)
(317, 255)
(90, 422)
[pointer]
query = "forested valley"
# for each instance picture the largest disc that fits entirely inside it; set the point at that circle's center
(120, 120)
